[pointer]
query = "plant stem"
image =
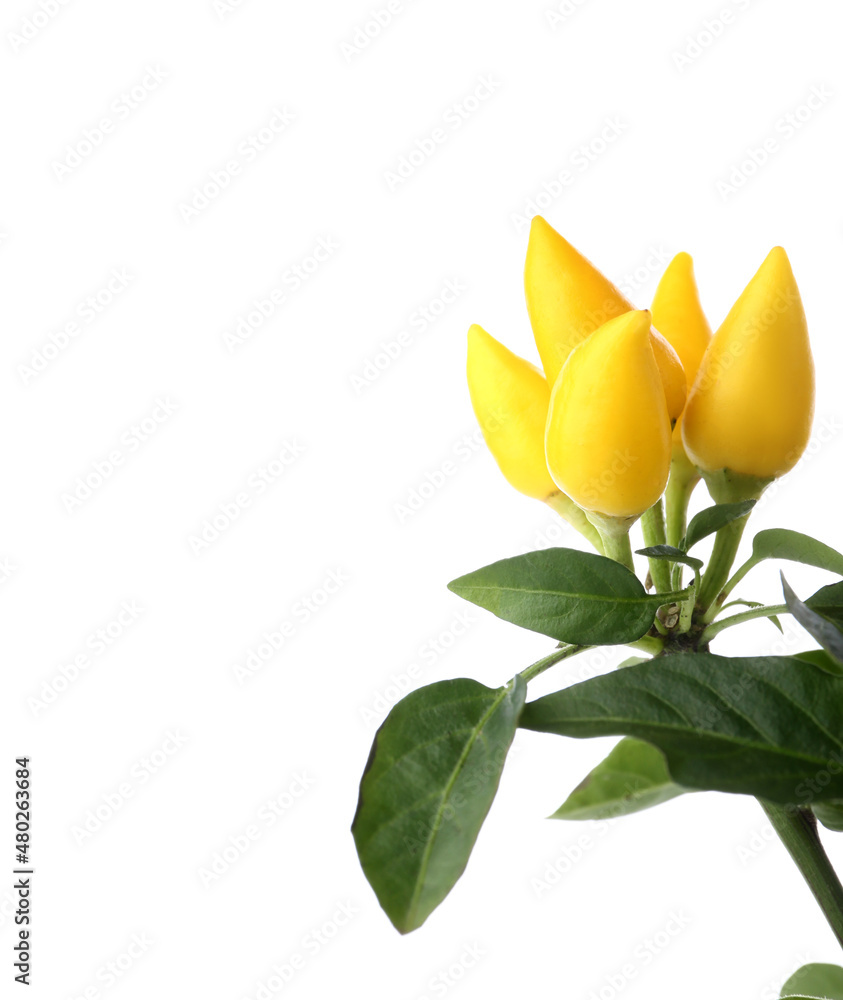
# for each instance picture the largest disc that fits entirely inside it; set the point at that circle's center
(648, 644)
(797, 829)
(618, 548)
(614, 533)
(660, 628)
(723, 554)
(726, 486)
(767, 611)
(683, 478)
(652, 525)
(686, 616)
(565, 507)
(738, 575)
(546, 662)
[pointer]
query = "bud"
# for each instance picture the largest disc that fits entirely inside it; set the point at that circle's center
(510, 399)
(750, 410)
(607, 440)
(568, 299)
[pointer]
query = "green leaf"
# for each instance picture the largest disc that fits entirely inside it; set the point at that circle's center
(755, 604)
(815, 980)
(713, 519)
(830, 814)
(633, 777)
(782, 543)
(821, 659)
(577, 597)
(762, 726)
(669, 552)
(828, 602)
(827, 634)
(431, 776)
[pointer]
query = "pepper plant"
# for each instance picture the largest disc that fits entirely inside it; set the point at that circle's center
(631, 410)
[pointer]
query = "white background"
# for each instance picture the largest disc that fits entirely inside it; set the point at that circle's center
(690, 92)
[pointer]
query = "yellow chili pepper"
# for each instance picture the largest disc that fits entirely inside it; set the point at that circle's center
(749, 412)
(568, 299)
(678, 315)
(608, 430)
(510, 398)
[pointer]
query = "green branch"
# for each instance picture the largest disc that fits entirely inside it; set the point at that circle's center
(614, 534)
(652, 525)
(547, 662)
(797, 829)
(766, 611)
(683, 478)
(723, 554)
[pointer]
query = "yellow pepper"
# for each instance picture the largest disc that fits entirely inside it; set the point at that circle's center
(568, 299)
(749, 412)
(510, 398)
(678, 315)
(607, 440)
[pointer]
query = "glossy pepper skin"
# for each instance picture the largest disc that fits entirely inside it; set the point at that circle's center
(678, 314)
(568, 299)
(751, 406)
(608, 431)
(510, 398)
(679, 318)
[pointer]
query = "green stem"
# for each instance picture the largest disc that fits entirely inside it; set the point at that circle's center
(726, 486)
(648, 644)
(614, 534)
(738, 575)
(723, 554)
(652, 525)
(546, 662)
(660, 628)
(683, 478)
(686, 607)
(797, 829)
(686, 616)
(745, 616)
(565, 507)
(617, 547)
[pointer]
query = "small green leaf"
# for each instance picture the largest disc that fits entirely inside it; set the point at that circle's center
(821, 659)
(713, 519)
(431, 776)
(782, 543)
(577, 597)
(815, 980)
(756, 604)
(828, 602)
(669, 552)
(827, 634)
(762, 726)
(748, 604)
(633, 777)
(830, 814)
